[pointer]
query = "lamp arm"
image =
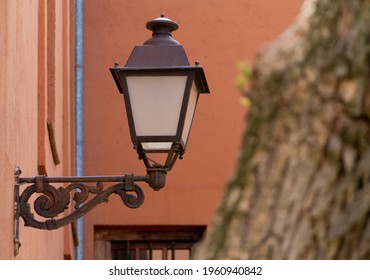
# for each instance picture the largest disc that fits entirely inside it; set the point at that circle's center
(48, 201)
(53, 201)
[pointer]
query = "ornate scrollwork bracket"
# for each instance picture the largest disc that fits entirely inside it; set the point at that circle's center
(50, 204)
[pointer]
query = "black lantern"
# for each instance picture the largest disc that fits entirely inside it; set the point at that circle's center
(161, 91)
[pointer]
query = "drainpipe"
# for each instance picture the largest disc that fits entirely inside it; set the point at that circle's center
(79, 116)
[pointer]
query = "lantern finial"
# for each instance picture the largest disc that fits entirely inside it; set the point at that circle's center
(162, 28)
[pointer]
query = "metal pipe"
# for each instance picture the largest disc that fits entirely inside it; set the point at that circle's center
(79, 116)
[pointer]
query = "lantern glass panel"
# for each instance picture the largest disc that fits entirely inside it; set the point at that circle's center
(193, 99)
(156, 103)
(157, 146)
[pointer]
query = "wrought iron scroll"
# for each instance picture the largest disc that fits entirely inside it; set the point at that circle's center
(50, 201)
(42, 205)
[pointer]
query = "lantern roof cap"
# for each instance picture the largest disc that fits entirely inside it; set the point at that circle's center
(162, 29)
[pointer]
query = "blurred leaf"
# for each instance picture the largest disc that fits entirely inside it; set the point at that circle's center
(245, 69)
(245, 101)
(244, 77)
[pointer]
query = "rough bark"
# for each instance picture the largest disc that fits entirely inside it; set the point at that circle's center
(301, 189)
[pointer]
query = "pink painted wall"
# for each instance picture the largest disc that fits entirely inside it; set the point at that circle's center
(30, 95)
(219, 34)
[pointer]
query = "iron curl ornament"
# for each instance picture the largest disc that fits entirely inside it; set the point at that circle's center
(42, 205)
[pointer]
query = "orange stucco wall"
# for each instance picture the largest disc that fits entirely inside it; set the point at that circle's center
(34, 88)
(218, 34)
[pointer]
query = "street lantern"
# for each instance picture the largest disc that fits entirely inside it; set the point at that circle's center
(160, 90)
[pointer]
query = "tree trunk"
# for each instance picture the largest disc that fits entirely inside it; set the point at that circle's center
(301, 189)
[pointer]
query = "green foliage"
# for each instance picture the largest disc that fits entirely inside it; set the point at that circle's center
(242, 82)
(244, 77)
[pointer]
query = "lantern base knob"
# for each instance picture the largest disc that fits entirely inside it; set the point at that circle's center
(157, 177)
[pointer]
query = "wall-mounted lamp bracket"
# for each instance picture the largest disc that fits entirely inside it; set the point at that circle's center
(50, 204)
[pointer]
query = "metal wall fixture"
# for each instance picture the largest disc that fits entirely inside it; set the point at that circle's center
(160, 90)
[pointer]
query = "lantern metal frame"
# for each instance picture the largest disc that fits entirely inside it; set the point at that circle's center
(163, 56)
(178, 147)
(160, 55)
